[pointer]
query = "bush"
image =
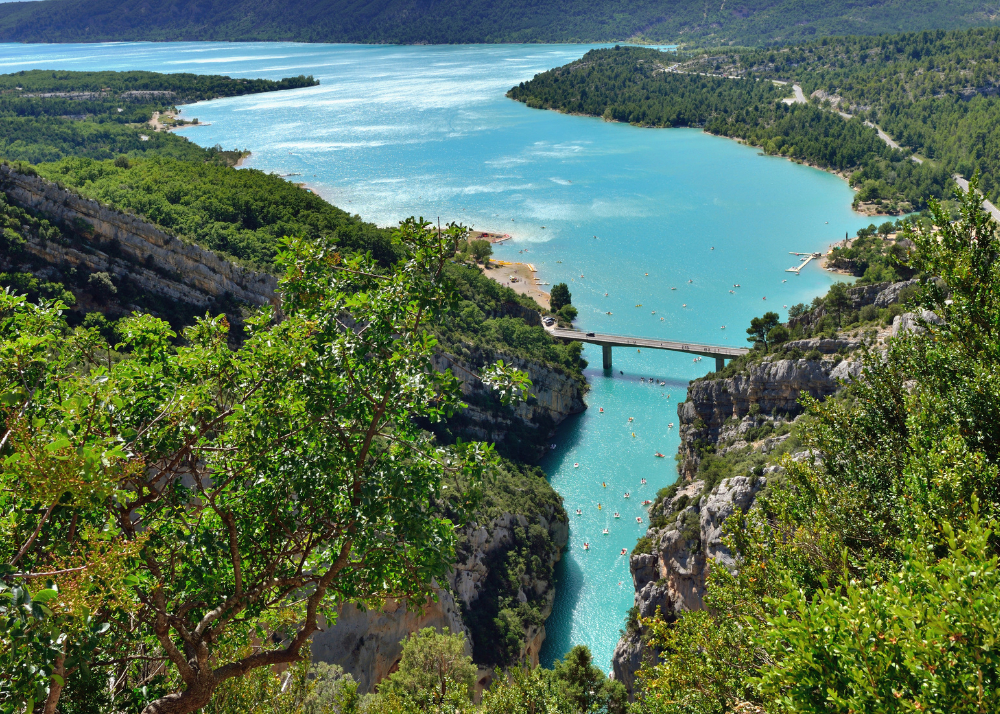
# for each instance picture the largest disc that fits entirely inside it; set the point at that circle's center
(568, 313)
(101, 286)
(868, 313)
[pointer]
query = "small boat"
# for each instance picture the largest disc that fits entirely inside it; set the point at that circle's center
(638, 520)
(605, 294)
(586, 546)
(576, 466)
(602, 410)
(617, 515)
(764, 298)
(627, 494)
(657, 455)
(604, 483)
(646, 502)
(784, 281)
(712, 248)
(723, 327)
(647, 273)
(633, 434)
(598, 506)
(654, 312)
(673, 288)
(644, 482)
(605, 531)
(671, 424)
(579, 511)
(690, 281)
(624, 551)
(639, 305)
(630, 418)
(661, 319)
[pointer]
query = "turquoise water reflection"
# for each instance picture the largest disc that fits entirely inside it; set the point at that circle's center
(621, 214)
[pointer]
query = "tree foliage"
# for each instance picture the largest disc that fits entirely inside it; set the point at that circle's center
(230, 486)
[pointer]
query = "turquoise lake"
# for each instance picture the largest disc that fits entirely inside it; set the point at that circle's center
(619, 213)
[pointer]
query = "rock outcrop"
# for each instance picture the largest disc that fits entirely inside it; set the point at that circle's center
(554, 397)
(686, 544)
(128, 246)
(366, 643)
(773, 387)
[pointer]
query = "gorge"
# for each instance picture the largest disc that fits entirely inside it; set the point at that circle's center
(610, 209)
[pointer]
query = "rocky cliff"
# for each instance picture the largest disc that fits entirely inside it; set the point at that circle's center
(735, 426)
(768, 387)
(129, 247)
(367, 643)
(522, 431)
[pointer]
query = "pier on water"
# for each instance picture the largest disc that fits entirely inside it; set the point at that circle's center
(805, 261)
(720, 352)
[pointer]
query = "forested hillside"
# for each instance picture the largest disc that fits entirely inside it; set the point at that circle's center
(934, 93)
(47, 115)
(747, 23)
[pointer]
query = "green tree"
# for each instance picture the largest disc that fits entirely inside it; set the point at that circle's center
(481, 250)
(585, 687)
(290, 474)
(433, 670)
(837, 299)
(522, 690)
(760, 327)
(559, 297)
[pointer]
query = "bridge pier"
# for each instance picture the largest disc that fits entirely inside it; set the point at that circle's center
(720, 363)
(607, 356)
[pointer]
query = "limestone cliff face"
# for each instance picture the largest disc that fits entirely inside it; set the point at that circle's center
(367, 643)
(774, 386)
(685, 538)
(126, 245)
(554, 397)
(671, 575)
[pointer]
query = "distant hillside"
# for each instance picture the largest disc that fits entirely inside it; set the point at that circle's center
(711, 22)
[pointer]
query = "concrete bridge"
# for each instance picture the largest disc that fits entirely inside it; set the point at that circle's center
(606, 341)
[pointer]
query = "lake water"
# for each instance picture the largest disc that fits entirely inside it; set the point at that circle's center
(622, 214)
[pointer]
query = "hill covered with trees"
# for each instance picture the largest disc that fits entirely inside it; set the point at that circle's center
(48, 115)
(935, 93)
(748, 23)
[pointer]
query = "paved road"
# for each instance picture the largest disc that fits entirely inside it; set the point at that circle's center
(799, 97)
(694, 348)
(986, 204)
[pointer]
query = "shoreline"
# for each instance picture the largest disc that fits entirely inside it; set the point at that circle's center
(522, 278)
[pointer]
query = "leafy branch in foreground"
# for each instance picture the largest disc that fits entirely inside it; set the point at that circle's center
(229, 486)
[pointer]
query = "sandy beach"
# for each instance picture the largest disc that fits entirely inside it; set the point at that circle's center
(520, 277)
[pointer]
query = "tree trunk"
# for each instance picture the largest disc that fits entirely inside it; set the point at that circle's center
(190, 700)
(56, 685)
